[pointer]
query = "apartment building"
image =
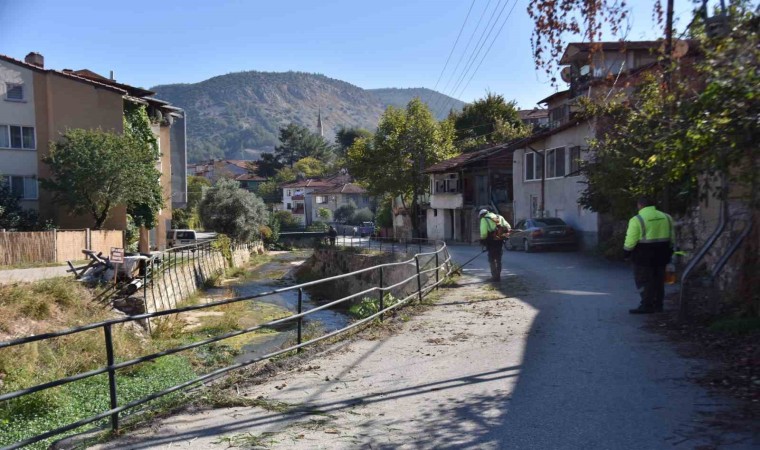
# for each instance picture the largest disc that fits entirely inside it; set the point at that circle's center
(38, 105)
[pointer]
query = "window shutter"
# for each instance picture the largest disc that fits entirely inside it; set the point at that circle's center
(14, 92)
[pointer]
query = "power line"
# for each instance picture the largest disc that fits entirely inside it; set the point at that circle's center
(453, 48)
(469, 41)
(488, 50)
(479, 46)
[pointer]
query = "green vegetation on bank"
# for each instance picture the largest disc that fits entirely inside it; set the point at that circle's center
(57, 304)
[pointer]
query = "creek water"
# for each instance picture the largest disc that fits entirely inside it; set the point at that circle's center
(272, 275)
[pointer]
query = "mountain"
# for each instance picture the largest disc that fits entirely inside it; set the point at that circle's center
(238, 115)
(440, 104)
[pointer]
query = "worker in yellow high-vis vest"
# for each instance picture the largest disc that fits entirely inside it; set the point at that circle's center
(649, 242)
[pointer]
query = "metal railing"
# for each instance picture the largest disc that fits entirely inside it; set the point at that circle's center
(420, 275)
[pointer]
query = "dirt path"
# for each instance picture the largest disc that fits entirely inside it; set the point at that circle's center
(548, 359)
(8, 276)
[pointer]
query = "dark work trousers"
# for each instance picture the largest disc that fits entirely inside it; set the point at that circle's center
(650, 282)
(495, 250)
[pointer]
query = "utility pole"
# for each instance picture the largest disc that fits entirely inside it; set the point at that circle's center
(668, 44)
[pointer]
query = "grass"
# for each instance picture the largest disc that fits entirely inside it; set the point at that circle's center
(743, 325)
(53, 408)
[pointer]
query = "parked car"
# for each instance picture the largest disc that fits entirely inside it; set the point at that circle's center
(176, 238)
(531, 234)
(366, 229)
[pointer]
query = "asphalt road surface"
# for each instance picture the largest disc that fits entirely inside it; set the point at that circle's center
(548, 359)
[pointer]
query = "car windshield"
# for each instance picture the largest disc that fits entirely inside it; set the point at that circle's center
(547, 222)
(185, 235)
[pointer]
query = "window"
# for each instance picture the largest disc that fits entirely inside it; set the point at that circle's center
(435, 212)
(534, 165)
(23, 187)
(14, 92)
(321, 199)
(529, 171)
(14, 136)
(575, 161)
(555, 163)
(289, 193)
(289, 206)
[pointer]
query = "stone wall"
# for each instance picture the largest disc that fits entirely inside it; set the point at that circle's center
(331, 262)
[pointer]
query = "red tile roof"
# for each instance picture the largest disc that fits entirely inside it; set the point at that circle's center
(69, 75)
(249, 177)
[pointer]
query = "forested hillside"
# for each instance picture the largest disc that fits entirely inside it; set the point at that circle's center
(238, 115)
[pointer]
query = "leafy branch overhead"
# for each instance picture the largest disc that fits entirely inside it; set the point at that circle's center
(555, 21)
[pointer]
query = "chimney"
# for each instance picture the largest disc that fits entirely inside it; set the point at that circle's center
(111, 77)
(35, 59)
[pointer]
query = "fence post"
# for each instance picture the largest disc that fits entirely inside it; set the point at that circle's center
(436, 267)
(382, 294)
(300, 319)
(419, 277)
(111, 376)
(55, 245)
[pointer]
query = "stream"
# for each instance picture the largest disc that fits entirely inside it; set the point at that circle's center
(272, 275)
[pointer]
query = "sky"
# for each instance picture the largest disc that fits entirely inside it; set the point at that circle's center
(372, 44)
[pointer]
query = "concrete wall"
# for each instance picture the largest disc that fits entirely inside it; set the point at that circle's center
(561, 194)
(20, 162)
(188, 275)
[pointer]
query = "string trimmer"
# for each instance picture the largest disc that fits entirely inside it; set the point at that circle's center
(458, 270)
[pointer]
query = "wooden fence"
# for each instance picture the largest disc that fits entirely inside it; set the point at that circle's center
(20, 247)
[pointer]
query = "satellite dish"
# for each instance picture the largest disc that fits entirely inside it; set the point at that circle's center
(680, 48)
(565, 74)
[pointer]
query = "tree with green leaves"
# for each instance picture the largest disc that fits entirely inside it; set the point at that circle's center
(228, 209)
(298, 142)
(690, 136)
(196, 186)
(310, 167)
(345, 138)
(486, 121)
(93, 171)
(12, 216)
(270, 192)
(406, 142)
(268, 165)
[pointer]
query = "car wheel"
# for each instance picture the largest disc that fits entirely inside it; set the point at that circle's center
(527, 247)
(508, 245)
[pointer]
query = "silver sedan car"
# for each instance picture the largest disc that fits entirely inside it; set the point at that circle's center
(531, 234)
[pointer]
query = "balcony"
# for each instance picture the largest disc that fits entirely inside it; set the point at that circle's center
(447, 200)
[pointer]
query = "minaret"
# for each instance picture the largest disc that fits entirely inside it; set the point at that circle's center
(319, 123)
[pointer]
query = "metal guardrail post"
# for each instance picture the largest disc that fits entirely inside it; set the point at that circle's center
(419, 277)
(300, 319)
(381, 304)
(111, 376)
(420, 245)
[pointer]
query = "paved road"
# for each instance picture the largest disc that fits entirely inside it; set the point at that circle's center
(32, 274)
(549, 359)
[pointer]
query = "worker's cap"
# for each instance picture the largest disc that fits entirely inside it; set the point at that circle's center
(483, 212)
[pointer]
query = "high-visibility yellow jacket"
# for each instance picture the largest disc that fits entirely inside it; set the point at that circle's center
(650, 237)
(488, 224)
